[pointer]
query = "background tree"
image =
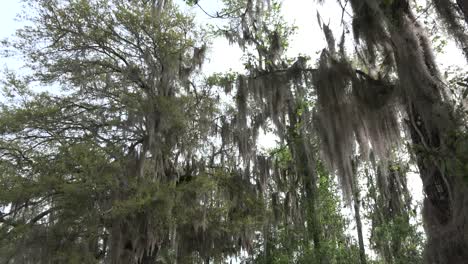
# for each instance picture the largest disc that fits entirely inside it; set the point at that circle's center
(100, 172)
(401, 71)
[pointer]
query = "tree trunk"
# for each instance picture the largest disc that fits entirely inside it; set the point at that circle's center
(431, 124)
(445, 211)
(120, 246)
(357, 214)
(357, 218)
(306, 168)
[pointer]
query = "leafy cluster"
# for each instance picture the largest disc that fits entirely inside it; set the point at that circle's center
(131, 158)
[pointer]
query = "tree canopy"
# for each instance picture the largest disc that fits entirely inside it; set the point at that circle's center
(134, 155)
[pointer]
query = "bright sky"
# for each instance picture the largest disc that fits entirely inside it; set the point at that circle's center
(309, 40)
(8, 26)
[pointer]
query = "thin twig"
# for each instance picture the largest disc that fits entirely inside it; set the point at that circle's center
(344, 10)
(219, 15)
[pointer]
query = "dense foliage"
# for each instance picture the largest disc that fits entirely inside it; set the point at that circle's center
(115, 148)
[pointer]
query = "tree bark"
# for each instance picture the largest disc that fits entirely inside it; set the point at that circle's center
(357, 217)
(431, 124)
(357, 214)
(445, 206)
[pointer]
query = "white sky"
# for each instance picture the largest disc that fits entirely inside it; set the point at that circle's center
(309, 40)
